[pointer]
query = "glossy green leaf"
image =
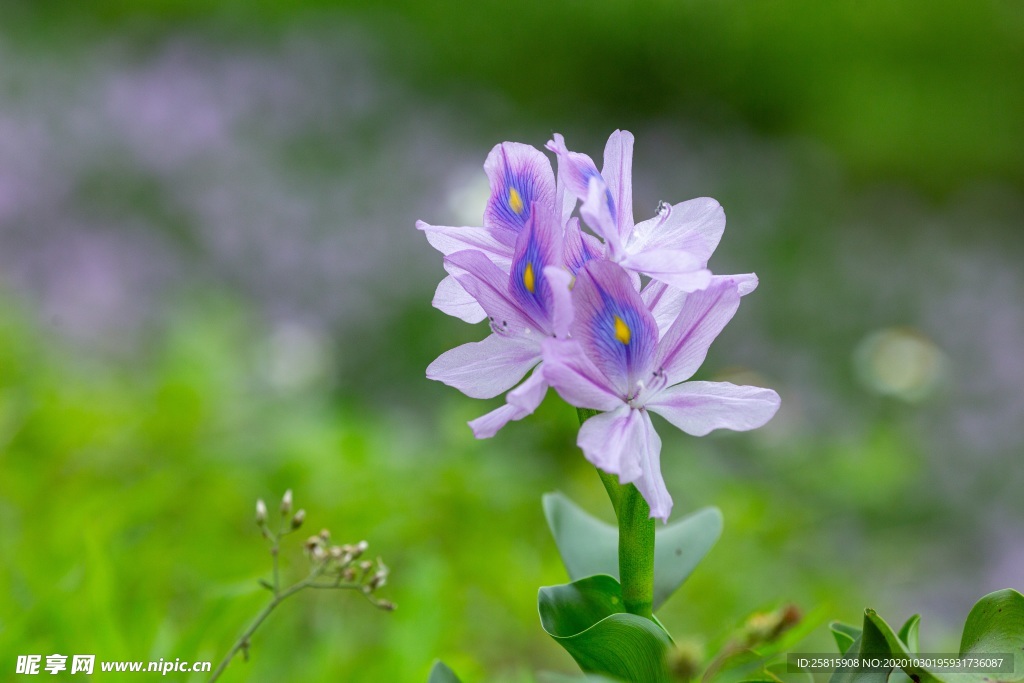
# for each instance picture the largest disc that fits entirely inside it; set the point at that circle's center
(440, 673)
(897, 647)
(589, 546)
(845, 635)
(871, 641)
(586, 618)
(908, 634)
(995, 625)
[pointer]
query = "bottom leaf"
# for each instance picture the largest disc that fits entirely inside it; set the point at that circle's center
(587, 618)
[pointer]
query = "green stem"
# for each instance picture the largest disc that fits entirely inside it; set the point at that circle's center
(242, 644)
(636, 540)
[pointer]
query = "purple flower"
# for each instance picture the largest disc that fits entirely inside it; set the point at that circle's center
(616, 360)
(520, 178)
(673, 247)
(525, 304)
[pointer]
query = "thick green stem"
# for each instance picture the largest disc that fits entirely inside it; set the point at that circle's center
(636, 540)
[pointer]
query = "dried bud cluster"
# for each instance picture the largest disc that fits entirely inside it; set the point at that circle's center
(334, 566)
(286, 507)
(342, 562)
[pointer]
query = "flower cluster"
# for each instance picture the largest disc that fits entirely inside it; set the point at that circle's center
(615, 320)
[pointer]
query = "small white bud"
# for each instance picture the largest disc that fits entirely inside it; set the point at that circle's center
(286, 502)
(261, 512)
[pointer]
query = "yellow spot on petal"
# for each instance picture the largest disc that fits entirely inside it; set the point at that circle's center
(528, 277)
(622, 332)
(515, 201)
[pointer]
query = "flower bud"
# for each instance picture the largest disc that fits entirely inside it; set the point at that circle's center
(286, 502)
(325, 535)
(378, 580)
(684, 661)
(386, 605)
(767, 627)
(298, 519)
(261, 512)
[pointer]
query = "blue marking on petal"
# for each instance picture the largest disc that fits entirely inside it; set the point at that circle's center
(589, 173)
(629, 357)
(512, 201)
(527, 282)
(615, 327)
(578, 251)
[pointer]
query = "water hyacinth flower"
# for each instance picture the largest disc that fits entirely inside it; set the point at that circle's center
(615, 360)
(673, 247)
(520, 177)
(525, 305)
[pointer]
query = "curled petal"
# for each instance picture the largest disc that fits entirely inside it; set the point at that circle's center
(575, 377)
(528, 395)
(624, 442)
(598, 210)
(701, 317)
(700, 407)
(485, 368)
(451, 298)
(560, 281)
(574, 169)
(488, 284)
(495, 242)
(486, 426)
(674, 267)
(579, 247)
(665, 302)
(618, 174)
(520, 175)
(520, 402)
(694, 226)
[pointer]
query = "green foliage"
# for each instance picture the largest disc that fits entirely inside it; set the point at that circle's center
(588, 619)
(994, 626)
(589, 546)
(440, 673)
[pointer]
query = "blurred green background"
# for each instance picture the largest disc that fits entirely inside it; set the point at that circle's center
(211, 290)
